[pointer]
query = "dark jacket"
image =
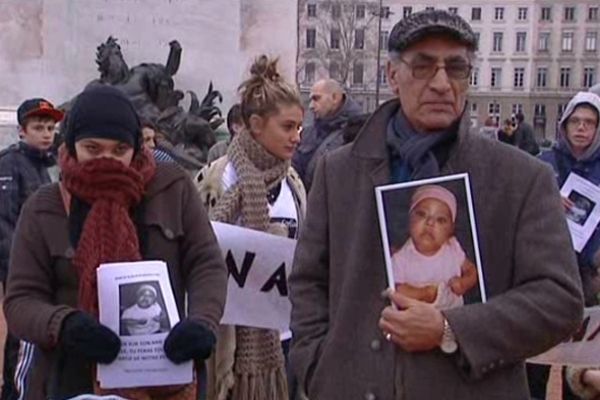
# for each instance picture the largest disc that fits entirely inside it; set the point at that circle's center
(43, 285)
(525, 138)
(23, 169)
(533, 290)
(324, 135)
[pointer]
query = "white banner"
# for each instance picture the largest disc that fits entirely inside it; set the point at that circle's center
(581, 349)
(259, 265)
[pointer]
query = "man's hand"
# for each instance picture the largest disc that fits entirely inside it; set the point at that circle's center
(414, 326)
(567, 203)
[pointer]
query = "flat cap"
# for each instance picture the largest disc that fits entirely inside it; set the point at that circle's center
(421, 24)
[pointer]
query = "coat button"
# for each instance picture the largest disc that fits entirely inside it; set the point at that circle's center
(169, 233)
(370, 396)
(69, 253)
(376, 345)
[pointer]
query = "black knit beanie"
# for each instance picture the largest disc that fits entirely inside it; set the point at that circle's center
(104, 112)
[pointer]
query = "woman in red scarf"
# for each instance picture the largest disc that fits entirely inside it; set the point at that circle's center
(114, 203)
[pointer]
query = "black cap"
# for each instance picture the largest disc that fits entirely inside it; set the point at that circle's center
(103, 111)
(430, 22)
(37, 108)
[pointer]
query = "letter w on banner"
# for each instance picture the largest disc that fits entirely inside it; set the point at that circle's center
(259, 265)
(582, 349)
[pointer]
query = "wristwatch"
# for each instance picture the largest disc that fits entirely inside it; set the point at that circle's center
(448, 344)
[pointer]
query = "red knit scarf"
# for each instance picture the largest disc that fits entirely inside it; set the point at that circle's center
(112, 189)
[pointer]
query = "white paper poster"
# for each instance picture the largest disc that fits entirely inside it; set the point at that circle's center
(137, 303)
(259, 265)
(584, 214)
(581, 349)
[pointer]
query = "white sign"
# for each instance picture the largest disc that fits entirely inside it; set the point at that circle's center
(581, 349)
(584, 214)
(137, 303)
(259, 265)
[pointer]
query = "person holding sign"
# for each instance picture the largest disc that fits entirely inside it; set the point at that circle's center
(113, 204)
(432, 266)
(353, 341)
(254, 186)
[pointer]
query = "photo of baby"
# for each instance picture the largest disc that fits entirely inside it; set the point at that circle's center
(432, 254)
(432, 259)
(581, 209)
(142, 309)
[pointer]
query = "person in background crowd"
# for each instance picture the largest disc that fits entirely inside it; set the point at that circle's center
(331, 108)
(524, 136)
(489, 129)
(234, 125)
(149, 134)
(24, 167)
(349, 341)
(506, 134)
(255, 187)
(577, 151)
(114, 203)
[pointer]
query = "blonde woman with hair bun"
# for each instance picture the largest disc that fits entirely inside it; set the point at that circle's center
(254, 186)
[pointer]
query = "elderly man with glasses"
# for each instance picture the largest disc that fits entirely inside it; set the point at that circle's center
(351, 342)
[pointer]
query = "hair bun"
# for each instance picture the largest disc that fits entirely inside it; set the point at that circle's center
(265, 68)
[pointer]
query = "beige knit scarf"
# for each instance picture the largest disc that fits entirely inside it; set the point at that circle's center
(258, 366)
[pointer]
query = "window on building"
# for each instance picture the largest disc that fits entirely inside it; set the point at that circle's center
(336, 10)
(382, 76)
(309, 72)
(476, 14)
(539, 110)
(589, 77)
(561, 108)
(546, 14)
(544, 41)
(565, 77)
(474, 80)
(497, 43)
(311, 10)
(361, 11)
(521, 42)
(477, 38)
(385, 12)
(593, 14)
(453, 10)
(542, 77)
(499, 13)
(357, 73)
(474, 108)
(569, 14)
(494, 109)
(519, 77)
(334, 42)
(522, 14)
(383, 40)
(334, 70)
(591, 41)
(567, 41)
(496, 77)
(311, 38)
(406, 11)
(359, 39)
(517, 109)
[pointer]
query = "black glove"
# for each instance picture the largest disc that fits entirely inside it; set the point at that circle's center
(82, 335)
(189, 341)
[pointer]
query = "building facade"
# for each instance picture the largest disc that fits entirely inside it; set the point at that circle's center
(533, 56)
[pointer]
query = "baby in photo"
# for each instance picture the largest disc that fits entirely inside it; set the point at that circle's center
(432, 266)
(144, 317)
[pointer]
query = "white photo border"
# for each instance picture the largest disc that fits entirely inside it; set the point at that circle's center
(379, 190)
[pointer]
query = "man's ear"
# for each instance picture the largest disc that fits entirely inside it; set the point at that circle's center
(21, 131)
(392, 76)
(256, 125)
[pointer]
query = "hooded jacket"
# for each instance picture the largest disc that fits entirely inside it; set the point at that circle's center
(324, 135)
(564, 162)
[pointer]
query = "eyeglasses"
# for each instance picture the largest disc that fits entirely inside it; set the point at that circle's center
(455, 69)
(587, 122)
